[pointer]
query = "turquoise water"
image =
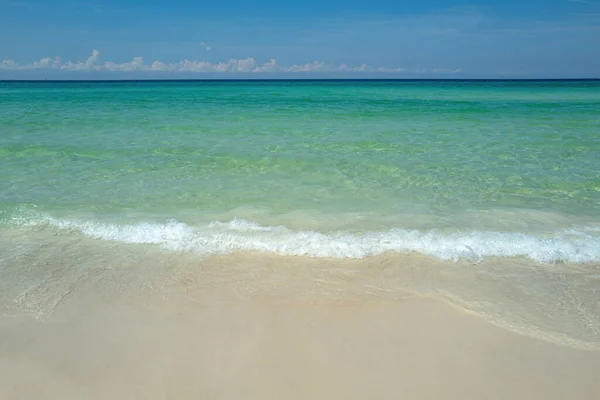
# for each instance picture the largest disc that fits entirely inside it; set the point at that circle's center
(459, 171)
(513, 157)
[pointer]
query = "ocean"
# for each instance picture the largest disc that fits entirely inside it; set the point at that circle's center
(483, 193)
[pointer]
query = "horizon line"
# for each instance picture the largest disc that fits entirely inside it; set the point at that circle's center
(294, 80)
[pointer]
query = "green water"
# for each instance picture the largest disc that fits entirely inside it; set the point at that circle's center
(383, 147)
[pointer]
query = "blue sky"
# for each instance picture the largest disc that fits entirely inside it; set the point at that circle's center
(325, 38)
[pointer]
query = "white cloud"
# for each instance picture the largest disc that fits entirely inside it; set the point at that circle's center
(206, 47)
(9, 65)
(246, 65)
(137, 64)
(158, 66)
(91, 61)
(47, 63)
(89, 65)
(270, 66)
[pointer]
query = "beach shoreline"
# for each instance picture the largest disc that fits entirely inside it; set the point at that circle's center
(177, 240)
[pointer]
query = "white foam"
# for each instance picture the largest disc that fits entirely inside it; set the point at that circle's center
(239, 235)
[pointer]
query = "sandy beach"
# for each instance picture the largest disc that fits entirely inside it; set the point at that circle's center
(214, 343)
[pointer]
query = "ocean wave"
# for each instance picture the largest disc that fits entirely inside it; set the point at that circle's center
(237, 235)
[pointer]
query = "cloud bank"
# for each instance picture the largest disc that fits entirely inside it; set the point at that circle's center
(247, 65)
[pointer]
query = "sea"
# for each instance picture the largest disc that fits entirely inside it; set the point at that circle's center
(483, 193)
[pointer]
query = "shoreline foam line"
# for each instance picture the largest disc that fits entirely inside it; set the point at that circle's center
(571, 246)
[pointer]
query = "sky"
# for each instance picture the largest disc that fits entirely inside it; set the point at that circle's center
(139, 39)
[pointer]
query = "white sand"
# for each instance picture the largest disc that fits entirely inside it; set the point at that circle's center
(254, 348)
